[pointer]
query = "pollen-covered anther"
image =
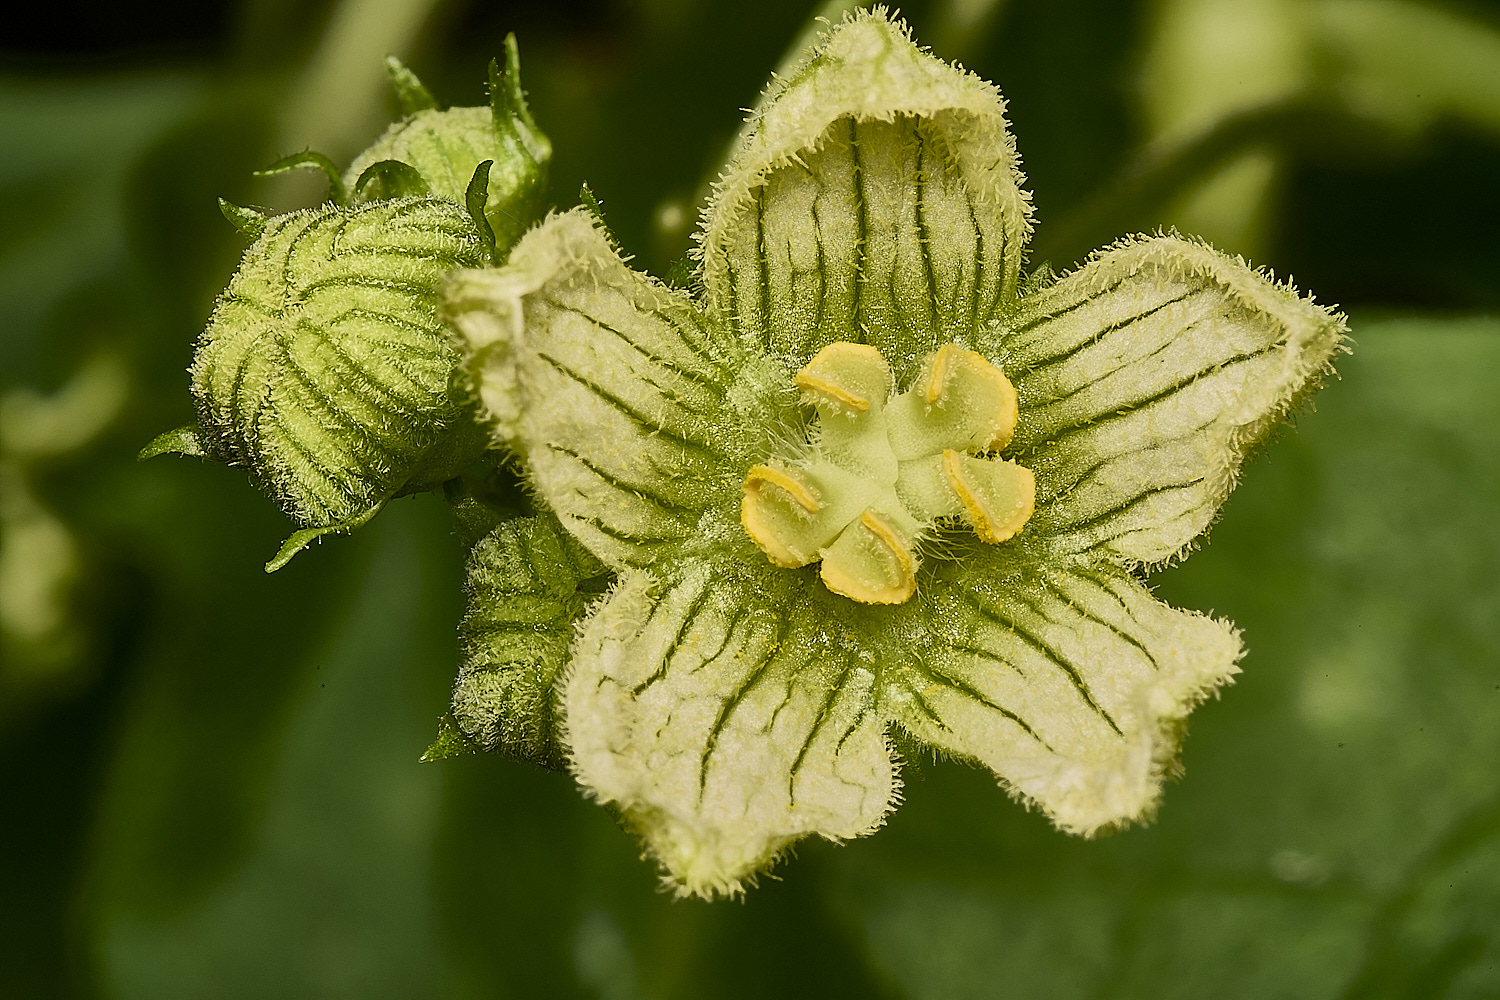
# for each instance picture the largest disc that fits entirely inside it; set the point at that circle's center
(845, 377)
(975, 392)
(775, 512)
(871, 562)
(998, 497)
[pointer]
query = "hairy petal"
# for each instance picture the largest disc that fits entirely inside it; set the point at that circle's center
(879, 194)
(612, 386)
(1068, 684)
(1143, 379)
(727, 718)
(528, 584)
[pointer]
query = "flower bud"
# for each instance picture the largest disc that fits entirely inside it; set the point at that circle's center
(444, 148)
(324, 369)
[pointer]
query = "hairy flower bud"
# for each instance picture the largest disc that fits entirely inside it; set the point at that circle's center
(324, 368)
(444, 148)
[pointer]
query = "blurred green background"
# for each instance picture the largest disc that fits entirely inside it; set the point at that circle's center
(208, 776)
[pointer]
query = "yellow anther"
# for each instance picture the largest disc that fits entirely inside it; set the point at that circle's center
(998, 497)
(766, 475)
(850, 376)
(816, 386)
(760, 511)
(967, 378)
(871, 563)
(938, 375)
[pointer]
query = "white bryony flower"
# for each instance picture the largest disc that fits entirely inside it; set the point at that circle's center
(871, 479)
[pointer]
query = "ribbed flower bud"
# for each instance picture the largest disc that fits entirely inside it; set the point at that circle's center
(324, 369)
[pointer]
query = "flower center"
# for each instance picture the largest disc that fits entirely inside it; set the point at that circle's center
(882, 470)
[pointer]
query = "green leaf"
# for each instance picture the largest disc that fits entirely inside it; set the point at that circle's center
(283, 787)
(411, 95)
(528, 584)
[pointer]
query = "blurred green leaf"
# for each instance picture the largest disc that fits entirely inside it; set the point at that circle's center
(333, 888)
(70, 146)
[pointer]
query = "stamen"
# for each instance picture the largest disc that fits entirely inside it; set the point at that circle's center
(766, 513)
(939, 373)
(765, 475)
(870, 562)
(847, 376)
(815, 386)
(998, 497)
(964, 380)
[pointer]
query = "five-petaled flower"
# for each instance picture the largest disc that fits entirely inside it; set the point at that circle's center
(871, 478)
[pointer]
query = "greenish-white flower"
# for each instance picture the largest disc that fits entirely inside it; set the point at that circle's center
(871, 479)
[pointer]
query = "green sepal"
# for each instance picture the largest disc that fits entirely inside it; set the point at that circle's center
(182, 441)
(506, 97)
(476, 197)
(590, 202)
(450, 742)
(250, 222)
(411, 94)
(386, 179)
(681, 273)
(337, 192)
(299, 540)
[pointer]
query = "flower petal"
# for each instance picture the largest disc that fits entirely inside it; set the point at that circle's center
(1144, 378)
(727, 718)
(879, 191)
(528, 583)
(619, 395)
(1069, 685)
